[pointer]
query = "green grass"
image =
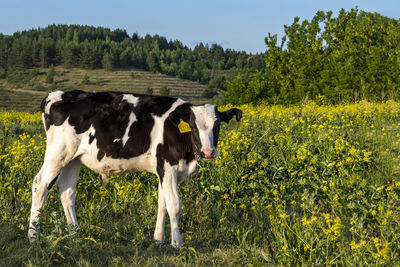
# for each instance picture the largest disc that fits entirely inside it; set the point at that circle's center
(24, 90)
(301, 186)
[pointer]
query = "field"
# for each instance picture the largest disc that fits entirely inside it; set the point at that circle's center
(23, 90)
(302, 185)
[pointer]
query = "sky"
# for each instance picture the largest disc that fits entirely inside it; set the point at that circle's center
(239, 25)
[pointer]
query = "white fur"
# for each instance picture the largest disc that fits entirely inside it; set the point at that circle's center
(132, 119)
(53, 97)
(131, 99)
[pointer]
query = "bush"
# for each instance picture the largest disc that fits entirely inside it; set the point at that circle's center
(164, 90)
(34, 72)
(149, 90)
(50, 75)
(3, 73)
(209, 92)
(85, 79)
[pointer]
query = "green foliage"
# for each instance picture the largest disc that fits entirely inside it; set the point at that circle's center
(3, 73)
(85, 79)
(149, 90)
(18, 77)
(152, 62)
(50, 75)
(209, 93)
(34, 72)
(164, 90)
(354, 56)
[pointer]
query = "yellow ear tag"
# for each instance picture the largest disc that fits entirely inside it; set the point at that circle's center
(184, 127)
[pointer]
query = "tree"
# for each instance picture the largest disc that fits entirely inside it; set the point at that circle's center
(50, 75)
(108, 61)
(70, 55)
(152, 62)
(352, 57)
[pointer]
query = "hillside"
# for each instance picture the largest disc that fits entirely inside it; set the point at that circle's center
(89, 47)
(25, 90)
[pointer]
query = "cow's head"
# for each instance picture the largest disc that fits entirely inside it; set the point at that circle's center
(205, 123)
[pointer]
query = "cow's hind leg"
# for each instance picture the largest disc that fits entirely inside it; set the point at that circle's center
(55, 158)
(66, 185)
(41, 185)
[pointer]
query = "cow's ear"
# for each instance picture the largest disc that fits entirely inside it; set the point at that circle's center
(226, 116)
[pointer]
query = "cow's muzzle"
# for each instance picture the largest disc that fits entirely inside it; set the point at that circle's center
(208, 154)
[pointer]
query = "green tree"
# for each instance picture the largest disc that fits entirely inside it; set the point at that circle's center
(354, 56)
(70, 55)
(108, 62)
(50, 75)
(153, 63)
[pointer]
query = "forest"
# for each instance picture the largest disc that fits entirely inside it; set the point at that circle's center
(91, 47)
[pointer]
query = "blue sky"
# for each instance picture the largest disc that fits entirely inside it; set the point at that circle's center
(240, 25)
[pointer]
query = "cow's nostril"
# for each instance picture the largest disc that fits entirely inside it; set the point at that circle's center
(208, 153)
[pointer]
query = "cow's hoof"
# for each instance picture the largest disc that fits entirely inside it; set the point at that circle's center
(176, 244)
(31, 235)
(159, 243)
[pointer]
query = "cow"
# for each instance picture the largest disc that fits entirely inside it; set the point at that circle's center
(115, 132)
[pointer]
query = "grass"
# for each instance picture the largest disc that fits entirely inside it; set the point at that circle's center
(23, 90)
(306, 185)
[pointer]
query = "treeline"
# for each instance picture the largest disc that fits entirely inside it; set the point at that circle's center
(355, 56)
(97, 47)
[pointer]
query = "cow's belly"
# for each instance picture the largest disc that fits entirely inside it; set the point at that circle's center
(111, 166)
(88, 152)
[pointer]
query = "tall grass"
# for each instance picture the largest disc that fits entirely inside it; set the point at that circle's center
(304, 185)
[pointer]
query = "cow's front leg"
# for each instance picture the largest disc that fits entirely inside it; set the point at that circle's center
(170, 190)
(162, 210)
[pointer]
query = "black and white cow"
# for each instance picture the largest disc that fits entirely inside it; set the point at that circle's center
(113, 133)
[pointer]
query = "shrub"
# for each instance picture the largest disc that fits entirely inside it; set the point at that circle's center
(164, 90)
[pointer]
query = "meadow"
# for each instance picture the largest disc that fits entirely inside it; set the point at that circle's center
(310, 184)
